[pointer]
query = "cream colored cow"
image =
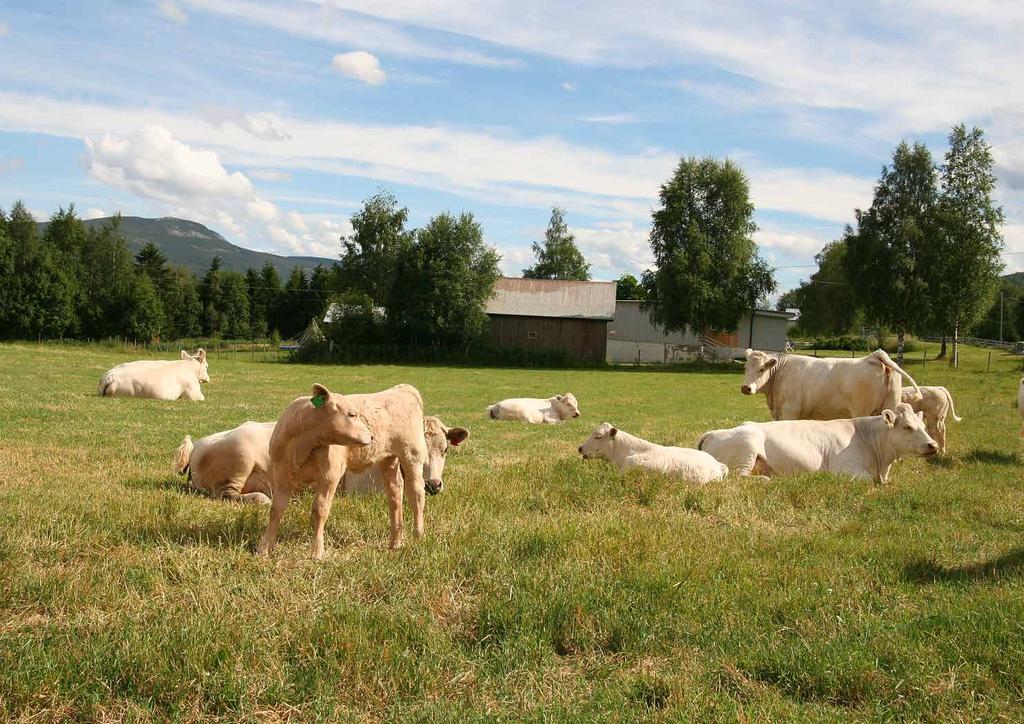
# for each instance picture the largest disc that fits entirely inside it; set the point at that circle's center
(798, 387)
(935, 403)
(626, 451)
(439, 439)
(158, 379)
(862, 447)
(232, 464)
(321, 436)
(533, 409)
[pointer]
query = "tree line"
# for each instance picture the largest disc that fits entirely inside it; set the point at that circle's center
(82, 282)
(924, 258)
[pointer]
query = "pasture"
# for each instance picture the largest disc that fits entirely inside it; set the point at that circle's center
(546, 586)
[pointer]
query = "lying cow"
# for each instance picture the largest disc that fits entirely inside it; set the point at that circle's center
(233, 464)
(935, 403)
(810, 388)
(534, 409)
(627, 451)
(319, 437)
(438, 437)
(158, 379)
(863, 447)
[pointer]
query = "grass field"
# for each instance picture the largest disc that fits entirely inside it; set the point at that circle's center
(546, 586)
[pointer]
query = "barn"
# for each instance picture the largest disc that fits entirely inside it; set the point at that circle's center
(552, 314)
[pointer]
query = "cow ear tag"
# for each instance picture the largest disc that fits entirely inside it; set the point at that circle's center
(318, 401)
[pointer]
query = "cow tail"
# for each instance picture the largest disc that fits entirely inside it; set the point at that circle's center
(105, 383)
(701, 439)
(952, 410)
(493, 412)
(183, 458)
(882, 356)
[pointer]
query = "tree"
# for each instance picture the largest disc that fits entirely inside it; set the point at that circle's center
(212, 295)
(371, 253)
(827, 303)
(145, 315)
(885, 259)
(708, 272)
(558, 257)
(627, 287)
(184, 313)
(152, 262)
(107, 282)
(443, 284)
(294, 301)
(1003, 319)
(963, 265)
(236, 306)
(270, 296)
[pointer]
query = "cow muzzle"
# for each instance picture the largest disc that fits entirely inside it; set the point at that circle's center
(575, 414)
(433, 487)
(748, 389)
(931, 449)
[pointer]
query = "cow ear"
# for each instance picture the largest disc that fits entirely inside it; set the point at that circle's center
(613, 432)
(771, 363)
(201, 354)
(560, 398)
(185, 355)
(320, 391)
(748, 352)
(890, 417)
(457, 435)
(920, 416)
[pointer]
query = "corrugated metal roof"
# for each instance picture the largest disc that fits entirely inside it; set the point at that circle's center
(553, 298)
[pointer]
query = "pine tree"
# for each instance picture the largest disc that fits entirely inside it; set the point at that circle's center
(212, 295)
(558, 257)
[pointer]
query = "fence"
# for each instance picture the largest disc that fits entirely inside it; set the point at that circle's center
(1015, 347)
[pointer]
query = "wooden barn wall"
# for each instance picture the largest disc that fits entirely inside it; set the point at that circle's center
(584, 338)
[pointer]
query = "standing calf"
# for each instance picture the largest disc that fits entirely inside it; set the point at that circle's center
(935, 403)
(319, 437)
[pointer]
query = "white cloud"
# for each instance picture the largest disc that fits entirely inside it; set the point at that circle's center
(798, 244)
(265, 174)
(94, 213)
(615, 247)
(5, 29)
(360, 65)
(11, 165)
(265, 126)
(569, 87)
(611, 119)
(169, 10)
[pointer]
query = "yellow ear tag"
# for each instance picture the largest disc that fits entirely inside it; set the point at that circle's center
(319, 401)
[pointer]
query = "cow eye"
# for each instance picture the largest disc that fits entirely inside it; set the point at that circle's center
(353, 414)
(908, 428)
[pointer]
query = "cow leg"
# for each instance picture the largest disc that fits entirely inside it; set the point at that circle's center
(255, 498)
(412, 471)
(322, 501)
(940, 434)
(392, 483)
(277, 508)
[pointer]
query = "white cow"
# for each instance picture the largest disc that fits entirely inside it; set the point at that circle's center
(628, 451)
(439, 438)
(158, 379)
(809, 388)
(232, 464)
(863, 447)
(935, 403)
(533, 409)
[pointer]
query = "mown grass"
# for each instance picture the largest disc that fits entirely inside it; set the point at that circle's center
(547, 587)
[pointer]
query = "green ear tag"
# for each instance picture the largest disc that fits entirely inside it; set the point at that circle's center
(318, 401)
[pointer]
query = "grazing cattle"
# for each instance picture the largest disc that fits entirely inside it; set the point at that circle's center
(533, 409)
(935, 403)
(810, 388)
(864, 447)
(628, 451)
(438, 437)
(320, 436)
(233, 464)
(158, 379)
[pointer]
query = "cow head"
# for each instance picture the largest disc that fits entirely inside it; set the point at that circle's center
(337, 422)
(758, 369)
(439, 439)
(906, 433)
(200, 359)
(566, 405)
(599, 444)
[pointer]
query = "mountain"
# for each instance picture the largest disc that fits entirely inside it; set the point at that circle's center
(1015, 278)
(191, 245)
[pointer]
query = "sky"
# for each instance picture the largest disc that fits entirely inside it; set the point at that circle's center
(271, 121)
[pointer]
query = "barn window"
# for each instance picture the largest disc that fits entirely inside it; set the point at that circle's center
(531, 335)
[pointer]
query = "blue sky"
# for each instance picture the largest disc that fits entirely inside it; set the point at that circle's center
(272, 121)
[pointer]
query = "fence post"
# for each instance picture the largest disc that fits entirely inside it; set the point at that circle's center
(989, 367)
(924, 358)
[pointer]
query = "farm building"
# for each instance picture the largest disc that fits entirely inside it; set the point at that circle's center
(632, 337)
(551, 314)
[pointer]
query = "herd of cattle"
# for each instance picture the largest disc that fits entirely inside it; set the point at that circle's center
(845, 416)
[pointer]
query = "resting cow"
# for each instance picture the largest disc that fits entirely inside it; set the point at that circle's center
(533, 409)
(438, 438)
(233, 464)
(320, 437)
(864, 447)
(812, 388)
(158, 379)
(628, 451)
(935, 403)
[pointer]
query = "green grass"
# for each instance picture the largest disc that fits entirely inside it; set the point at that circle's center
(546, 587)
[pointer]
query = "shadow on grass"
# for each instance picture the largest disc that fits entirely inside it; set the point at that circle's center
(926, 571)
(941, 461)
(994, 457)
